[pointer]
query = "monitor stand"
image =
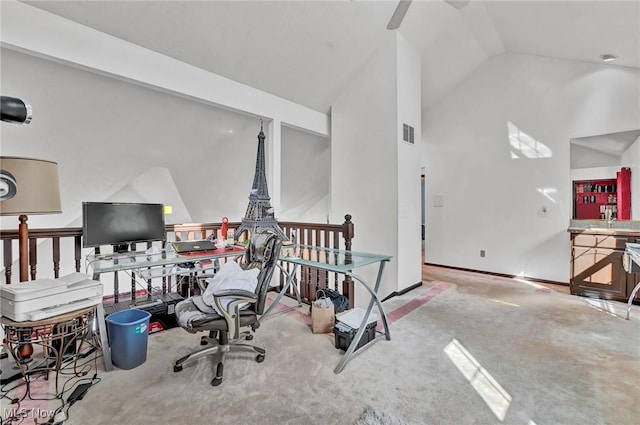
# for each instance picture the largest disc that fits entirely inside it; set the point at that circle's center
(121, 248)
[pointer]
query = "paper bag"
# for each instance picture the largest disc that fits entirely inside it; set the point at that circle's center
(323, 316)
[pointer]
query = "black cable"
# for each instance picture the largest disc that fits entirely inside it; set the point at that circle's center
(68, 403)
(15, 417)
(70, 366)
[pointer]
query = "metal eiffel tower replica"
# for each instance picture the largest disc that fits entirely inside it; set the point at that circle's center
(259, 212)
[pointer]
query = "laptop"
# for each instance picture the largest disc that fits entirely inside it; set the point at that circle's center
(193, 246)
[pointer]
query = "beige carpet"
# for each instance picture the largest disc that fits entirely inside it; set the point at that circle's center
(465, 349)
(374, 417)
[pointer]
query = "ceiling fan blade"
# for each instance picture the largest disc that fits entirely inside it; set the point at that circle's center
(398, 15)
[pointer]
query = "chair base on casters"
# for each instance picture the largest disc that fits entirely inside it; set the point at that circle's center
(219, 348)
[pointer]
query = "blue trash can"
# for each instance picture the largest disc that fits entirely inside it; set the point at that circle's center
(128, 335)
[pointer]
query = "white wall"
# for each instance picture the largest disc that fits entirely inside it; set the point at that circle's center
(409, 185)
(32, 30)
(375, 176)
(110, 109)
(584, 157)
(491, 200)
(306, 167)
(631, 159)
(105, 133)
(595, 173)
(364, 177)
(117, 141)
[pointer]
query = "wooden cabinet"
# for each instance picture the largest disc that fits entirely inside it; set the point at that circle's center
(596, 266)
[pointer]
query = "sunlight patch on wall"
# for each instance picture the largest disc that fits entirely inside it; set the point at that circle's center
(548, 193)
(480, 379)
(525, 146)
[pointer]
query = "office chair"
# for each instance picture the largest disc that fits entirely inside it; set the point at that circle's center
(228, 330)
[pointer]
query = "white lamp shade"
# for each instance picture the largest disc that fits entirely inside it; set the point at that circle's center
(28, 186)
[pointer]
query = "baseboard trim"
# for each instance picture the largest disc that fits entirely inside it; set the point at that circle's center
(533, 279)
(404, 291)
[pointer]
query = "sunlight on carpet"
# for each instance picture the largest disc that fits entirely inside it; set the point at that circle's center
(374, 417)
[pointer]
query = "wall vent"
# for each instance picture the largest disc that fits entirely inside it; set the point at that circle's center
(407, 133)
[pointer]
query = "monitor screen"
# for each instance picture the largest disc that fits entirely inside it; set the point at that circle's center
(120, 224)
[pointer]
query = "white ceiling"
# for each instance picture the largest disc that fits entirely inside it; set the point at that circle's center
(613, 144)
(307, 51)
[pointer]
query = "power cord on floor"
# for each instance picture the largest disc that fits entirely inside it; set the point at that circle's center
(80, 388)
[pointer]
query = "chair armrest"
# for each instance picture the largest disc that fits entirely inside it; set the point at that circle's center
(232, 313)
(248, 296)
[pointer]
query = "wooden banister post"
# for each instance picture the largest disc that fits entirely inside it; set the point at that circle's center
(8, 260)
(23, 248)
(348, 234)
(55, 241)
(33, 257)
(77, 251)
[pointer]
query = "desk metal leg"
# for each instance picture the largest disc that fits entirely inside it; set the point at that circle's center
(287, 284)
(374, 299)
(631, 298)
(104, 341)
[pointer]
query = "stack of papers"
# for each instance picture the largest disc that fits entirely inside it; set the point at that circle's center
(353, 318)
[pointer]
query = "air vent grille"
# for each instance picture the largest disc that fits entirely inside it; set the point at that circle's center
(407, 133)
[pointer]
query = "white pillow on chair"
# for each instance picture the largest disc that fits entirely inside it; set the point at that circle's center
(230, 276)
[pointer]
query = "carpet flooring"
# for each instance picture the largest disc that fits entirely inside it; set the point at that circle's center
(465, 349)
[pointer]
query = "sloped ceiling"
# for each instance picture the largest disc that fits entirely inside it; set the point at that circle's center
(307, 51)
(602, 150)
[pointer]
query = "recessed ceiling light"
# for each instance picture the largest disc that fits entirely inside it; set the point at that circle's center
(608, 57)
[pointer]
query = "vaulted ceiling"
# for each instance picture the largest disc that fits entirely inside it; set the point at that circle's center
(307, 51)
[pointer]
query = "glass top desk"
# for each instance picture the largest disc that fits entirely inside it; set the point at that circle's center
(148, 266)
(344, 262)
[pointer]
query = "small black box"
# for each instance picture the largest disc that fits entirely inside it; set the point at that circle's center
(344, 334)
(170, 300)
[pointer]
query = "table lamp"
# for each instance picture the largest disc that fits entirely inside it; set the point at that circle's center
(28, 186)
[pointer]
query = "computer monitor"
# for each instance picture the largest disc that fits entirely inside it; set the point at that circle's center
(121, 224)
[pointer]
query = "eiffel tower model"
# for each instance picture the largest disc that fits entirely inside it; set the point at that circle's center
(259, 212)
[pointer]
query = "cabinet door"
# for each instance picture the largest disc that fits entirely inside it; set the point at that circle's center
(583, 258)
(598, 272)
(608, 273)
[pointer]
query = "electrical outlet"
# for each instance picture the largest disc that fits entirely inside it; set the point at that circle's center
(482, 253)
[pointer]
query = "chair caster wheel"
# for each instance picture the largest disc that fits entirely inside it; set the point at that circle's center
(177, 368)
(249, 337)
(216, 381)
(260, 358)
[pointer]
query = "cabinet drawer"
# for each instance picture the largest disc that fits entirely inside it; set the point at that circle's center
(585, 240)
(615, 242)
(602, 241)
